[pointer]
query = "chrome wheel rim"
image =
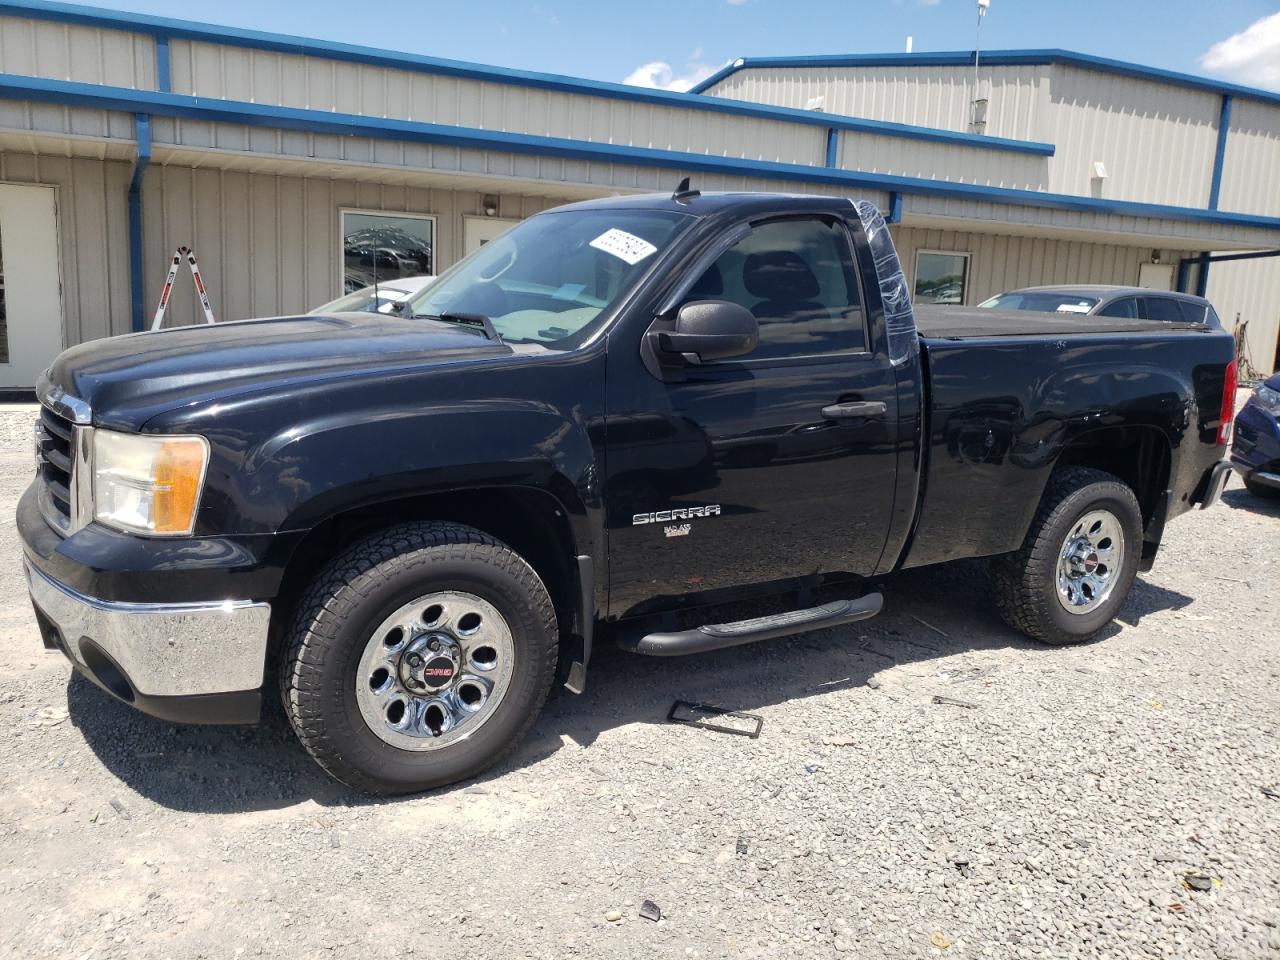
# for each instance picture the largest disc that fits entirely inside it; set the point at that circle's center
(1089, 562)
(435, 671)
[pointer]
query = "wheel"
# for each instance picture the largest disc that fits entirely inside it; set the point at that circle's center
(418, 657)
(1261, 489)
(1078, 562)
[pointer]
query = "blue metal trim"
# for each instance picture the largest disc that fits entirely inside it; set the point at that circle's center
(164, 76)
(1202, 260)
(377, 128)
(995, 58)
(142, 126)
(1184, 271)
(833, 146)
(895, 207)
(1202, 277)
(1220, 154)
(184, 30)
(728, 70)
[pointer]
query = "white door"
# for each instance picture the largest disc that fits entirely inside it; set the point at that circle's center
(30, 294)
(1155, 276)
(477, 231)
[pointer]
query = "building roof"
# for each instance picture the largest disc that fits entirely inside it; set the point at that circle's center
(993, 58)
(163, 102)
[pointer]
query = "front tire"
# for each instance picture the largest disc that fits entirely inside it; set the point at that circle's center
(420, 656)
(1261, 489)
(1078, 562)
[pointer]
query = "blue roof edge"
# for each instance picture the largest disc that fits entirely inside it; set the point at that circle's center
(340, 124)
(281, 43)
(999, 58)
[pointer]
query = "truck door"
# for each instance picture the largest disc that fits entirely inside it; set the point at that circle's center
(761, 468)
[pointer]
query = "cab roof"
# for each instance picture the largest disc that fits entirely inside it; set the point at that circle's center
(708, 204)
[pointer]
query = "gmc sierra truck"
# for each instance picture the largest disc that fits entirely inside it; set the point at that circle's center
(617, 410)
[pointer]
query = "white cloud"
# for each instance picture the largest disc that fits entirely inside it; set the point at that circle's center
(735, 3)
(929, 3)
(660, 75)
(1251, 56)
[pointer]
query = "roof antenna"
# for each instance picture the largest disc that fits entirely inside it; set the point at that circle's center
(684, 193)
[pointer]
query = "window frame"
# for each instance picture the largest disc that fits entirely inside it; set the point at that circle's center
(400, 215)
(964, 283)
(1137, 307)
(747, 362)
(1177, 308)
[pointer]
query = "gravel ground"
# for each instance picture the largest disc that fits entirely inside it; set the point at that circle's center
(1056, 811)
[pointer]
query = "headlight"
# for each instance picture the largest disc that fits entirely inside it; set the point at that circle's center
(148, 484)
(1267, 399)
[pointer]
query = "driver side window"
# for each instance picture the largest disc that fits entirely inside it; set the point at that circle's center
(798, 280)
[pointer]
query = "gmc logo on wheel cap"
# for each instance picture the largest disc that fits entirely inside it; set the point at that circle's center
(438, 671)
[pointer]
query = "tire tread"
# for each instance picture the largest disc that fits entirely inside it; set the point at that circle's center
(1018, 592)
(344, 582)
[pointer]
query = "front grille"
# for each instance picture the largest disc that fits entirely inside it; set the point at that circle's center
(54, 455)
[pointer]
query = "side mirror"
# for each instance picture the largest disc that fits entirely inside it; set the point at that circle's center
(711, 330)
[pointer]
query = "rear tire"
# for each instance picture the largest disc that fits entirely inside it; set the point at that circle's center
(378, 708)
(1078, 562)
(1261, 489)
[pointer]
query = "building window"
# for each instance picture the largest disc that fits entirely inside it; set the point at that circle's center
(379, 246)
(941, 277)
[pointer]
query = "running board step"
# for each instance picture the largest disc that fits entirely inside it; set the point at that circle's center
(716, 636)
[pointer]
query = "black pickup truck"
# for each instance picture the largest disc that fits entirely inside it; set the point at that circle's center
(617, 410)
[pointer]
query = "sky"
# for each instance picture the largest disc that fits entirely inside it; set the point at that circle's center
(674, 43)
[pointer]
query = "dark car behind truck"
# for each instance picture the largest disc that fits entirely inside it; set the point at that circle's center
(619, 409)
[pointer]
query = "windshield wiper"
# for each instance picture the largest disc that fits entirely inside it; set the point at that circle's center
(474, 320)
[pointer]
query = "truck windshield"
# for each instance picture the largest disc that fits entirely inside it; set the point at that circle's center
(1041, 302)
(548, 278)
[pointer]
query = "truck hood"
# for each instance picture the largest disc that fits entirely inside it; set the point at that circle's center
(128, 379)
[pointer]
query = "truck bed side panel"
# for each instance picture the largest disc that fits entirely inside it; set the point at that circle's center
(1002, 411)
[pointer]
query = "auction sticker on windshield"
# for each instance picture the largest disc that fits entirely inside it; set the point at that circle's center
(623, 245)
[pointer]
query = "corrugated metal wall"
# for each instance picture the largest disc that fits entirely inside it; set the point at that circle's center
(270, 245)
(998, 262)
(92, 229)
(63, 51)
(940, 161)
(926, 96)
(1249, 290)
(1157, 140)
(210, 70)
(1251, 168)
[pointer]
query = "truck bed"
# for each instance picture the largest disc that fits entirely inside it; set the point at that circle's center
(963, 323)
(1008, 391)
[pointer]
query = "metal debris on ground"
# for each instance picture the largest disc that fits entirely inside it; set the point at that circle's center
(741, 846)
(926, 623)
(953, 702)
(1176, 907)
(1271, 792)
(1198, 882)
(650, 911)
(693, 715)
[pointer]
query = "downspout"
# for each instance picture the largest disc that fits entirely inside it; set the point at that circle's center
(142, 126)
(1215, 183)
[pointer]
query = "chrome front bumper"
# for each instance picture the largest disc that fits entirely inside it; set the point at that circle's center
(143, 651)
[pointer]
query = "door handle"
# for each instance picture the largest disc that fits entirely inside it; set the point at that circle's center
(854, 409)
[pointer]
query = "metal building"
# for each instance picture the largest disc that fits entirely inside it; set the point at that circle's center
(288, 163)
